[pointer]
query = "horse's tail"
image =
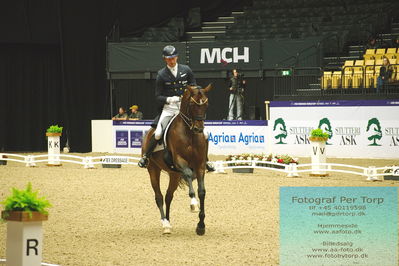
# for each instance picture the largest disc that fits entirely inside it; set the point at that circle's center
(183, 182)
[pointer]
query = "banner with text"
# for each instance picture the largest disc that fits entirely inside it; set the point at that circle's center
(338, 226)
(222, 55)
(225, 137)
(357, 129)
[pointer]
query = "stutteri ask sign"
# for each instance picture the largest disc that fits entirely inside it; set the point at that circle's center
(357, 129)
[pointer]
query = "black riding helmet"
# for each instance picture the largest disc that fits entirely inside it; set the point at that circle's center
(169, 51)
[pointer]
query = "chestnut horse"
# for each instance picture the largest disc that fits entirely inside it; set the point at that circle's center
(188, 147)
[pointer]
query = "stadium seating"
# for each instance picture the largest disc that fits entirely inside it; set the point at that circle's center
(358, 70)
(370, 54)
(362, 73)
(326, 80)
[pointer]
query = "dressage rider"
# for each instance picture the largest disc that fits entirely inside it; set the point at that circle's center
(170, 85)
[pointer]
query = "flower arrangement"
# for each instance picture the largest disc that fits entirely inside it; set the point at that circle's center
(262, 158)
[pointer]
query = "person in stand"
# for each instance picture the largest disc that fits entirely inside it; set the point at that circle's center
(171, 82)
(395, 42)
(122, 115)
(385, 74)
(136, 114)
(372, 43)
(236, 98)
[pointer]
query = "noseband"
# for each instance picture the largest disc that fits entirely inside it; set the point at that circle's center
(190, 121)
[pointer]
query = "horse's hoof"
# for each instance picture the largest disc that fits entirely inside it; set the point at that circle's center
(194, 208)
(167, 231)
(200, 231)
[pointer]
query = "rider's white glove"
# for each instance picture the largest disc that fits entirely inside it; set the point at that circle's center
(174, 99)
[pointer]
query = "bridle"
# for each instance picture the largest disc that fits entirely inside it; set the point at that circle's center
(190, 121)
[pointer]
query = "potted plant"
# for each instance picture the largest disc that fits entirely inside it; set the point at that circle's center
(24, 213)
(53, 134)
(25, 205)
(318, 135)
(54, 131)
(318, 139)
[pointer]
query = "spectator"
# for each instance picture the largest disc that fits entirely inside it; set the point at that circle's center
(385, 74)
(372, 43)
(122, 115)
(135, 115)
(395, 42)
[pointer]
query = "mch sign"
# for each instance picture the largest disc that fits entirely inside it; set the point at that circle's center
(228, 55)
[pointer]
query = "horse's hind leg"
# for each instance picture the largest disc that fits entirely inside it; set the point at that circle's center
(155, 173)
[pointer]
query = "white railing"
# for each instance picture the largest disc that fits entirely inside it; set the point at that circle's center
(292, 170)
(87, 162)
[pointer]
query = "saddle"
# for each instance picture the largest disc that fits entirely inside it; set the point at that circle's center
(162, 145)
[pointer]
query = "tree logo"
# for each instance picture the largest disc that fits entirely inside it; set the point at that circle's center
(325, 125)
(279, 126)
(375, 129)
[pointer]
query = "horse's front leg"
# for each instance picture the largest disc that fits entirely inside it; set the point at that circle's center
(173, 184)
(188, 177)
(201, 194)
(155, 172)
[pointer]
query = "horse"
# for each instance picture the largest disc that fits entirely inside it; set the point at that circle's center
(188, 147)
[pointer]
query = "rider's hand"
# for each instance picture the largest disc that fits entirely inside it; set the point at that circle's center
(174, 99)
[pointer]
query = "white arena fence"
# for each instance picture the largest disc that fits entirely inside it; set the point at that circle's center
(292, 170)
(4, 261)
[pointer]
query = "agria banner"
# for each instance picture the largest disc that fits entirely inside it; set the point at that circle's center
(357, 129)
(237, 137)
(225, 137)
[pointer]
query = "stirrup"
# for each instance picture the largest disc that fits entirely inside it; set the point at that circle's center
(143, 163)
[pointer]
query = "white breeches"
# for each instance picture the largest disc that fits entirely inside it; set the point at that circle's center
(168, 111)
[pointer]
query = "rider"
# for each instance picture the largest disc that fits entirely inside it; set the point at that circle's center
(170, 85)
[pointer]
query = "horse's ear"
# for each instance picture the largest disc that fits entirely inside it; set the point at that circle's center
(208, 88)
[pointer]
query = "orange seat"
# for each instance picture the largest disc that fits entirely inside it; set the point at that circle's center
(391, 54)
(357, 78)
(380, 53)
(369, 74)
(336, 79)
(326, 80)
(369, 54)
(347, 71)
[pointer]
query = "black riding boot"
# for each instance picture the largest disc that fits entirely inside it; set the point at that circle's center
(152, 143)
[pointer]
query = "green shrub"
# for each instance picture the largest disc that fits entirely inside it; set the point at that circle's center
(54, 129)
(319, 133)
(26, 200)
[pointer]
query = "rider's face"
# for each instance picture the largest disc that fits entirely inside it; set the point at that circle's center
(171, 62)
